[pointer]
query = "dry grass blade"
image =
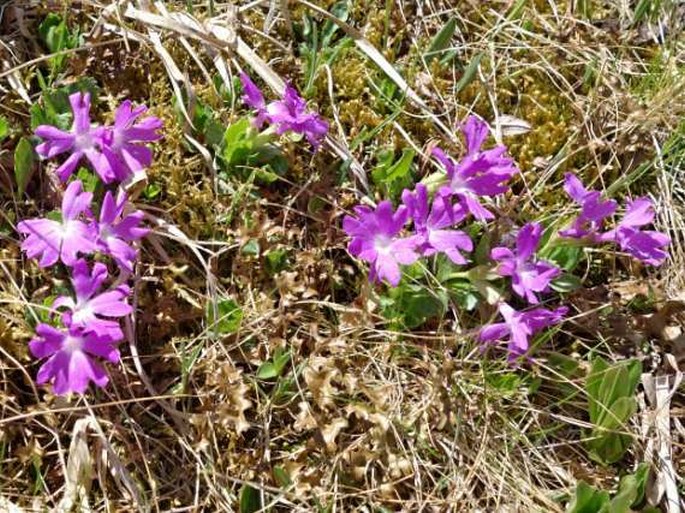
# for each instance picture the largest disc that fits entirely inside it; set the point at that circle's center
(79, 472)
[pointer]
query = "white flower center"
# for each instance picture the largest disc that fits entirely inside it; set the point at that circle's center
(72, 344)
(382, 244)
(83, 141)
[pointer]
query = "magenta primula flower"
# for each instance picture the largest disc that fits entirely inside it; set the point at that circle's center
(528, 275)
(123, 143)
(375, 239)
(289, 114)
(116, 231)
(82, 141)
(518, 327)
(87, 310)
(647, 246)
(594, 210)
(70, 354)
(254, 99)
(63, 240)
(430, 222)
(479, 173)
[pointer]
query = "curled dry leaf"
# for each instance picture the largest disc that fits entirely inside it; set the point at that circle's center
(510, 125)
(331, 431)
(319, 375)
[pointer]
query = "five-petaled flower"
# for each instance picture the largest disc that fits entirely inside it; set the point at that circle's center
(124, 143)
(518, 327)
(288, 114)
(480, 173)
(648, 246)
(431, 221)
(375, 239)
(51, 240)
(528, 275)
(594, 210)
(82, 141)
(71, 354)
(116, 230)
(88, 309)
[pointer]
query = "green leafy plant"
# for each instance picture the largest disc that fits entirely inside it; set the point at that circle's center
(227, 318)
(23, 164)
(630, 494)
(57, 37)
(610, 390)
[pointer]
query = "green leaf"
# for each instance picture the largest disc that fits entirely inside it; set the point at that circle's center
(413, 305)
(89, 178)
(611, 403)
(152, 191)
(23, 164)
(274, 368)
(441, 41)
(55, 34)
(394, 176)
(250, 499)
(276, 261)
(340, 10)
(566, 283)
(251, 247)
(4, 127)
(587, 499)
(469, 72)
(229, 316)
(281, 476)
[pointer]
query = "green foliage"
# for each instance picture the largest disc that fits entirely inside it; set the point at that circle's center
(469, 72)
(244, 151)
(392, 176)
(630, 494)
(566, 283)
(23, 164)
(411, 305)
(56, 36)
(319, 45)
(610, 390)
(4, 127)
(441, 42)
(250, 499)
(89, 178)
(229, 315)
(54, 109)
(276, 261)
(274, 368)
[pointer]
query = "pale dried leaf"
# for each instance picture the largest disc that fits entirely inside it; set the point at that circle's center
(79, 473)
(331, 431)
(510, 125)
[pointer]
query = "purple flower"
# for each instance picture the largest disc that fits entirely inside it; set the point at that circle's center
(528, 275)
(593, 212)
(115, 231)
(82, 141)
(87, 310)
(289, 114)
(375, 240)
(518, 327)
(123, 143)
(647, 246)
(254, 99)
(430, 224)
(70, 364)
(479, 173)
(51, 240)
